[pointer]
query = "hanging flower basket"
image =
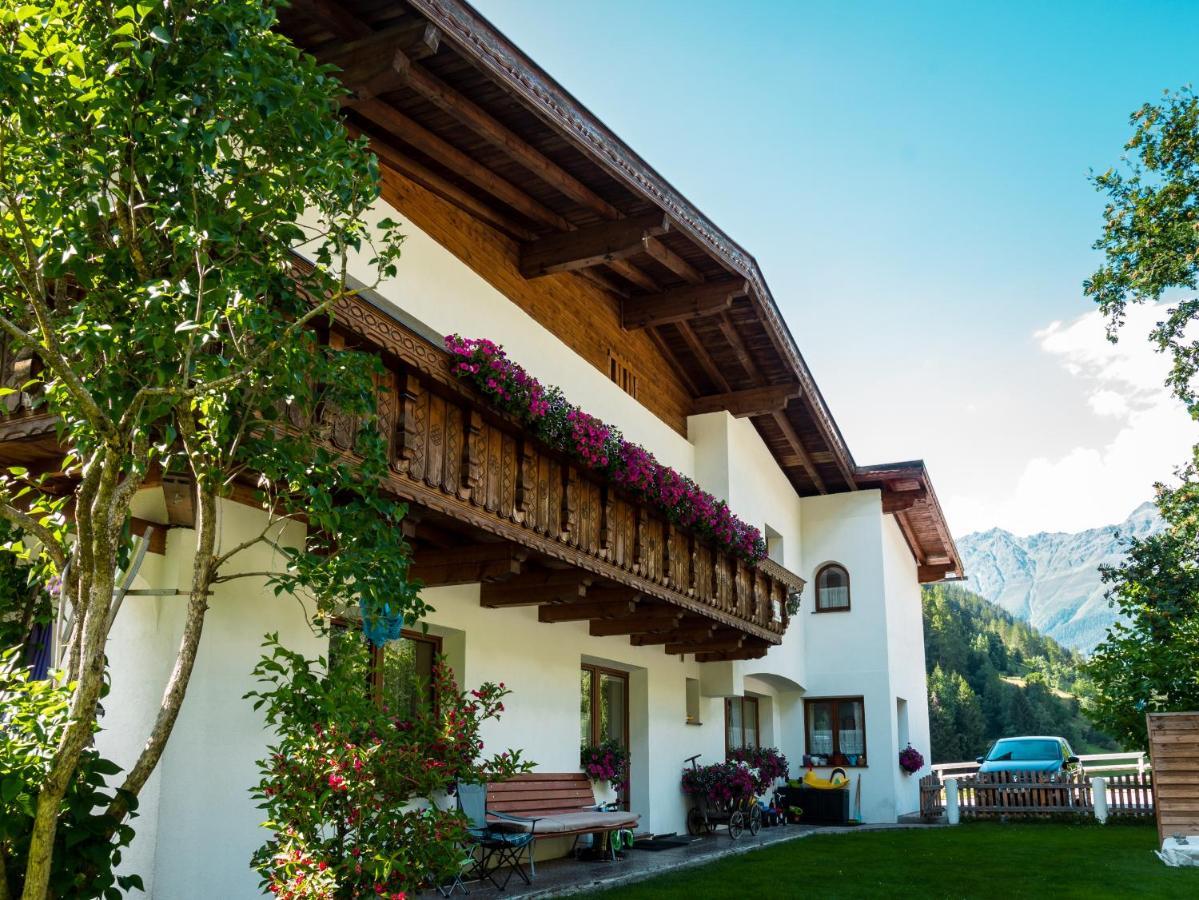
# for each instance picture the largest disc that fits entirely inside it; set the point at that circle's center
(910, 760)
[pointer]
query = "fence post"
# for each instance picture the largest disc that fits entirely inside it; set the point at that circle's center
(1099, 798)
(952, 813)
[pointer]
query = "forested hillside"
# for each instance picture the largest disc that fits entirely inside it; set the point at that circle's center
(990, 675)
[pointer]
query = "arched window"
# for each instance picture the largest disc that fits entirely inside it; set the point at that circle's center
(832, 588)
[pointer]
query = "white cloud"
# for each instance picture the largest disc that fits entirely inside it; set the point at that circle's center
(1099, 484)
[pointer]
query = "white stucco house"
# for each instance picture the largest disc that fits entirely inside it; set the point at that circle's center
(528, 222)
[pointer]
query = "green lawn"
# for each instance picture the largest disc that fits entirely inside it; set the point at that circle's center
(975, 860)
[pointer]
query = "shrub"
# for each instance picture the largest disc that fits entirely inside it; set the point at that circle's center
(88, 840)
(351, 793)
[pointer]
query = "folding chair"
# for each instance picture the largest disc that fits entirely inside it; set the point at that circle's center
(498, 848)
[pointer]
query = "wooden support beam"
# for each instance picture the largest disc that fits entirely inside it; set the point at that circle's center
(602, 278)
(751, 652)
(898, 501)
(376, 63)
(396, 123)
(535, 588)
(643, 623)
(752, 402)
(705, 646)
(927, 573)
(805, 460)
(677, 636)
(467, 565)
(577, 612)
(179, 492)
(669, 353)
(495, 132)
(619, 594)
(158, 537)
(590, 246)
(681, 304)
(671, 260)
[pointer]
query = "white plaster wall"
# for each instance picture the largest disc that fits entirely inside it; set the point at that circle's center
(905, 639)
(435, 287)
(847, 652)
(198, 824)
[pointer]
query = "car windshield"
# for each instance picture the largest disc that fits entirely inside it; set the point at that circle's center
(1024, 751)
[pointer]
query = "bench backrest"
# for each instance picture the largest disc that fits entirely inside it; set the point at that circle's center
(541, 793)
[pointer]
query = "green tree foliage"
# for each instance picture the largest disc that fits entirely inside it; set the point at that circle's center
(156, 161)
(990, 675)
(340, 783)
(1149, 661)
(1150, 242)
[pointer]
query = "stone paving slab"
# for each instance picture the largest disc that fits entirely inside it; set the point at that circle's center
(563, 877)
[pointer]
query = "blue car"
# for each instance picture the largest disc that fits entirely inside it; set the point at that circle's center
(1029, 754)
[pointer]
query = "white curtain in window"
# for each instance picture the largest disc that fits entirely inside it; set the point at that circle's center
(851, 741)
(834, 597)
(822, 742)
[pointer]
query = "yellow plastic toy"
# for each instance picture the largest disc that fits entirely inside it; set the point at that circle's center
(838, 781)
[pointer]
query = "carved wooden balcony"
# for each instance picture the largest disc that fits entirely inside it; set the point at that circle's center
(492, 503)
(489, 503)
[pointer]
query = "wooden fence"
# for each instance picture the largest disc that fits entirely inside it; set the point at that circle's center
(1091, 763)
(1037, 795)
(1174, 746)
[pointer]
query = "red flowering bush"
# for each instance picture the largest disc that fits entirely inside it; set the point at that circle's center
(606, 761)
(600, 446)
(351, 792)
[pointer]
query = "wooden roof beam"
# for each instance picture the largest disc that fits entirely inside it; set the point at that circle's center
(729, 330)
(331, 17)
(681, 304)
(377, 63)
(707, 645)
(590, 246)
(805, 459)
(705, 359)
(928, 573)
(396, 162)
(534, 588)
(631, 273)
(679, 635)
(495, 132)
(671, 260)
(758, 401)
(897, 501)
(396, 123)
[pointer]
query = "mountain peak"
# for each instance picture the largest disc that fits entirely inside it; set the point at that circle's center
(1051, 579)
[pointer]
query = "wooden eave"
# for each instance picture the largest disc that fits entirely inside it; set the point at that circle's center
(451, 104)
(908, 494)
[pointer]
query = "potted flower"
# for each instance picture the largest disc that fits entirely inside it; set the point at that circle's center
(606, 761)
(910, 760)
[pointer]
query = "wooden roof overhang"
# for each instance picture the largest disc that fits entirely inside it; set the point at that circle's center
(490, 504)
(451, 104)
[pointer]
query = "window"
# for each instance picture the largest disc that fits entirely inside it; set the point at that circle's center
(604, 710)
(832, 589)
(693, 702)
(774, 544)
(740, 723)
(399, 675)
(836, 730)
(622, 374)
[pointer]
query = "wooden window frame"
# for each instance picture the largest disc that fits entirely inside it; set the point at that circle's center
(807, 729)
(375, 675)
(816, 607)
(728, 702)
(595, 672)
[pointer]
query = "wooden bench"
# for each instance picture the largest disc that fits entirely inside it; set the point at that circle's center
(562, 803)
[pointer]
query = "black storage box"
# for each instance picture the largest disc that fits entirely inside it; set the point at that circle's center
(820, 807)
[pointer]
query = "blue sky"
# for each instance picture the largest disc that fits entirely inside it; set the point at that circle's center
(912, 178)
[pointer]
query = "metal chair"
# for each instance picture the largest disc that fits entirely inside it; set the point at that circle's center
(498, 848)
